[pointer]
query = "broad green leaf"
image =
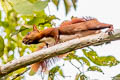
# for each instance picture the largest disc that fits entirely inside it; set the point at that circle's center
(67, 6)
(1, 46)
(25, 7)
(85, 61)
(108, 60)
(101, 61)
(36, 20)
(95, 68)
(91, 55)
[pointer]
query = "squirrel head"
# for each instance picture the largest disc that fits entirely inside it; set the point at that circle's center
(32, 37)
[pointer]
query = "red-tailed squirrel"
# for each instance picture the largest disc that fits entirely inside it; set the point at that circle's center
(66, 28)
(86, 26)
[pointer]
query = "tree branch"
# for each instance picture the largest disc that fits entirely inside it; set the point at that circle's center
(58, 49)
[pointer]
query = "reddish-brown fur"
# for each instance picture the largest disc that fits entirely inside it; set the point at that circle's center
(92, 24)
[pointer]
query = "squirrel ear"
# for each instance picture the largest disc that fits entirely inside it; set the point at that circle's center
(35, 28)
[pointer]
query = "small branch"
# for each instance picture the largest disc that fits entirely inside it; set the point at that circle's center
(58, 49)
(75, 67)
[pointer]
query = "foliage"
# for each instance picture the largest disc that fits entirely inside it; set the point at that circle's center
(67, 3)
(117, 77)
(20, 15)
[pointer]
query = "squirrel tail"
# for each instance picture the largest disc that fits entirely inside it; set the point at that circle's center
(44, 65)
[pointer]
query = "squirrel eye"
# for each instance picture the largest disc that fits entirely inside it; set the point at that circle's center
(28, 33)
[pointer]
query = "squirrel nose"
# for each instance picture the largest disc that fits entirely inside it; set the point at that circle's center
(23, 41)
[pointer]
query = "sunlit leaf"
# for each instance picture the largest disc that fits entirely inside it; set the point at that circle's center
(1, 46)
(25, 7)
(95, 68)
(101, 61)
(108, 60)
(85, 61)
(36, 20)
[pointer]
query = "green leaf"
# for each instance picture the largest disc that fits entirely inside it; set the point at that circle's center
(67, 6)
(117, 77)
(108, 60)
(1, 46)
(74, 3)
(77, 77)
(11, 57)
(92, 55)
(95, 68)
(31, 73)
(25, 30)
(101, 61)
(83, 77)
(85, 61)
(36, 20)
(56, 2)
(18, 31)
(25, 7)
(52, 72)
(61, 73)
(55, 69)
(0, 16)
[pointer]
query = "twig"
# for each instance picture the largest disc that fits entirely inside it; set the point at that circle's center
(76, 67)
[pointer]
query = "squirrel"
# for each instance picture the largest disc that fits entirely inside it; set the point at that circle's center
(85, 26)
(66, 28)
